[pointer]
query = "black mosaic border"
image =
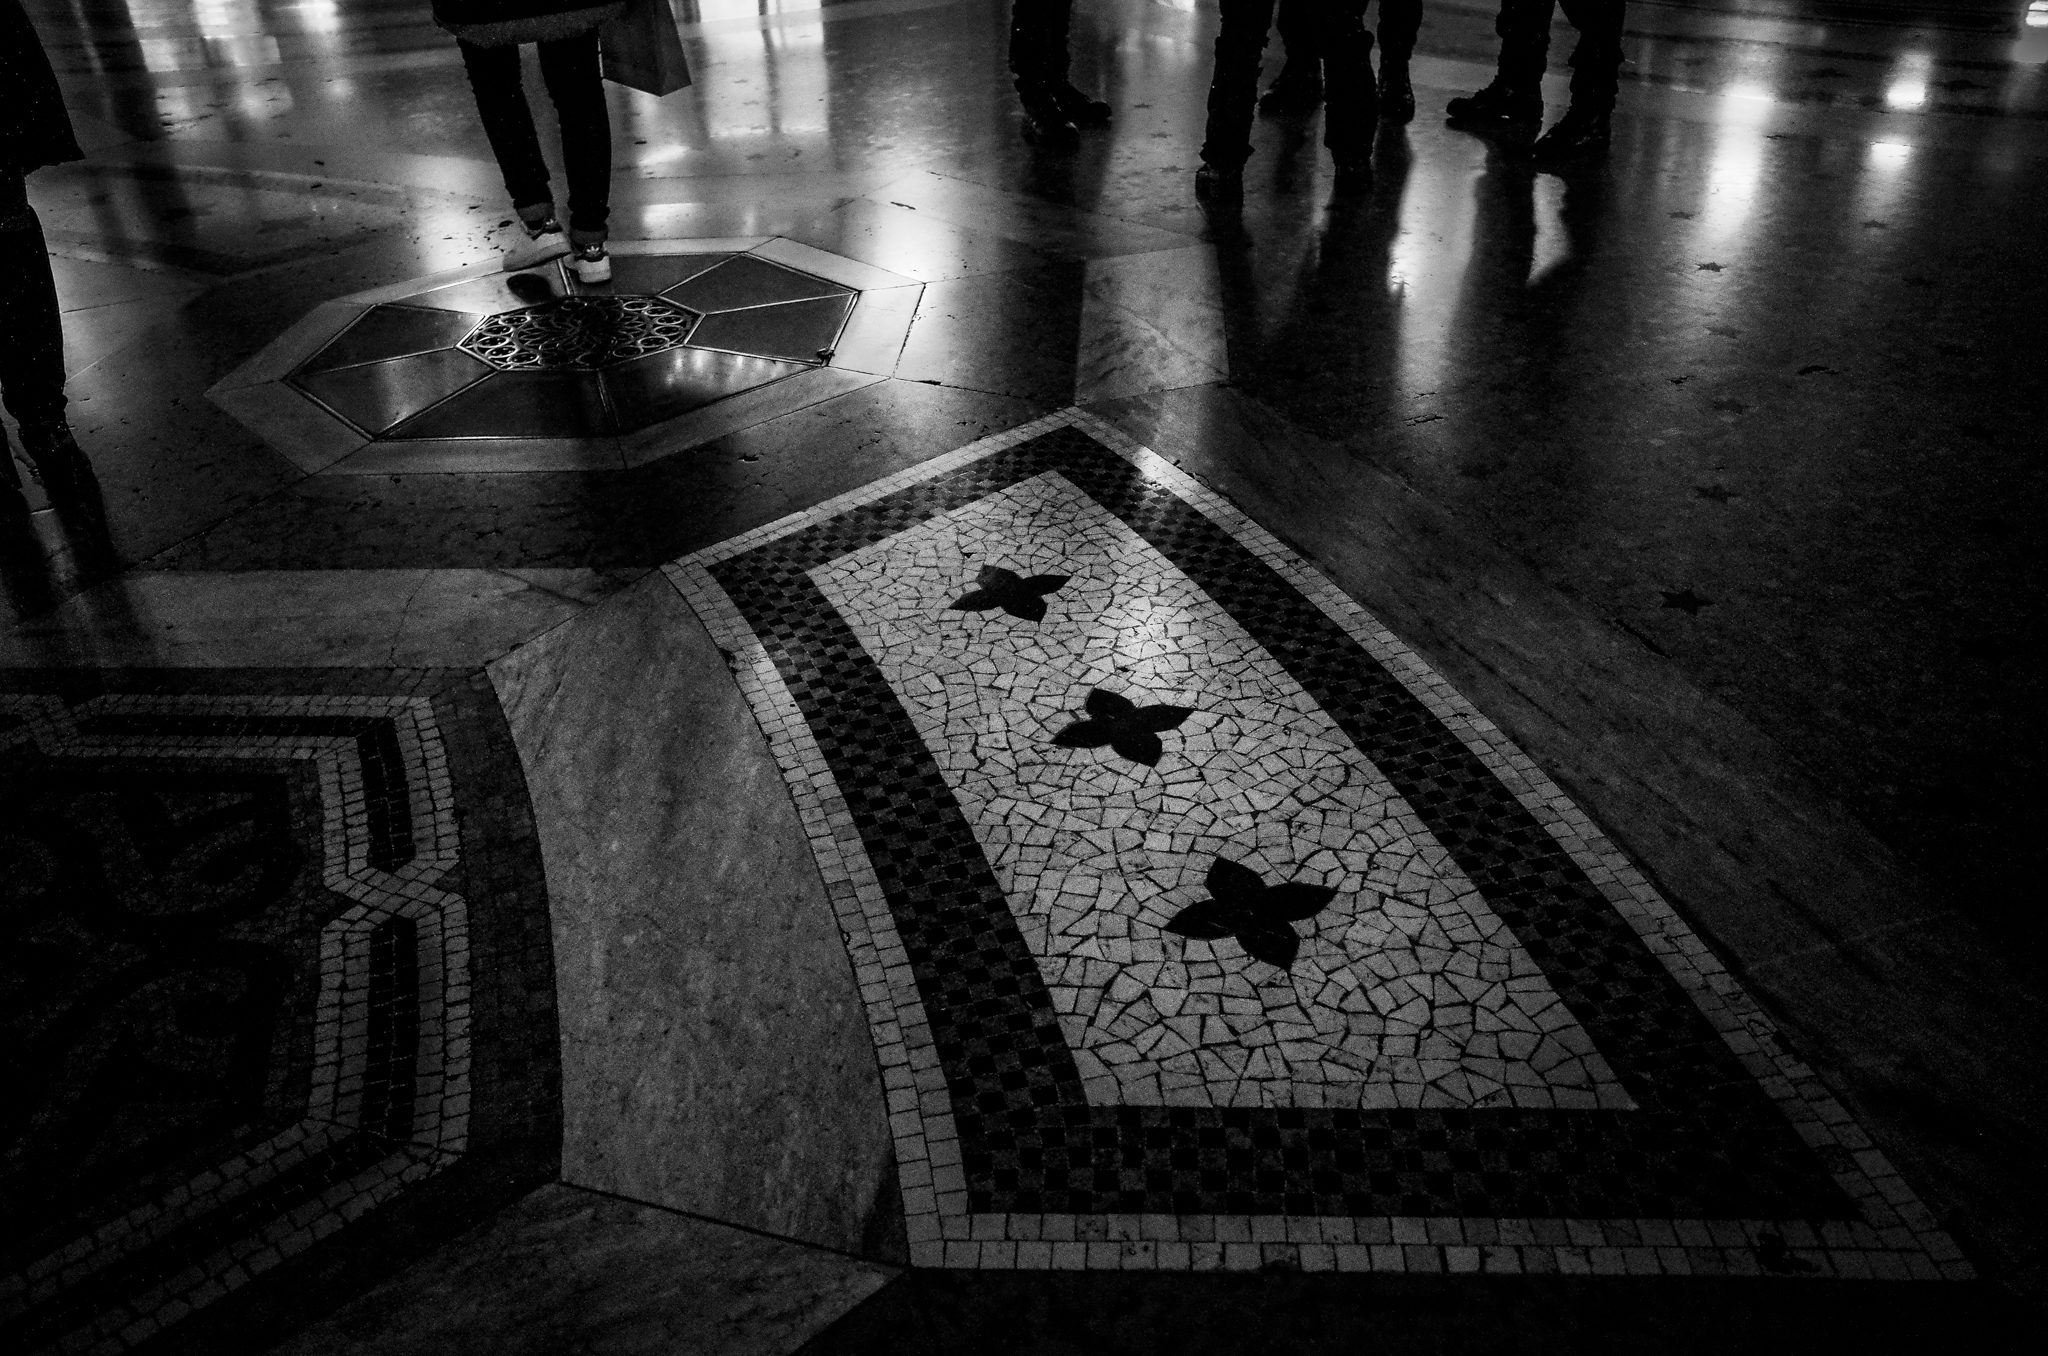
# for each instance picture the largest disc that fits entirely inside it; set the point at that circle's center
(1706, 1141)
(515, 1083)
(46, 1210)
(387, 799)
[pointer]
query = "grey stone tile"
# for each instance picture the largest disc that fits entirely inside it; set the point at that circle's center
(566, 1272)
(297, 619)
(715, 1053)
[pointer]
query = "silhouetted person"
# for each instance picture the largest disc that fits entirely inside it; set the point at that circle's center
(1515, 95)
(1349, 120)
(1054, 110)
(489, 33)
(1299, 86)
(34, 131)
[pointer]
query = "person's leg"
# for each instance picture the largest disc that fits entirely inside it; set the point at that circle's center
(1299, 86)
(1233, 86)
(32, 346)
(1596, 57)
(1516, 93)
(1300, 32)
(1596, 68)
(31, 325)
(1038, 41)
(1039, 63)
(1351, 113)
(569, 66)
(508, 125)
(1399, 22)
(1524, 30)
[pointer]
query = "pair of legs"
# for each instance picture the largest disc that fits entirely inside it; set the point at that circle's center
(1400, 21)
(1516, 94)
(1345, 48)
(32, 342)
(1524, 29)
(569, 67)
(1053, 108)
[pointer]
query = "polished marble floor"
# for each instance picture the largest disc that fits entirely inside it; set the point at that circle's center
(972, 756)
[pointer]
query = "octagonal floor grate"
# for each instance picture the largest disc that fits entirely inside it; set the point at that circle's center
(530, 355)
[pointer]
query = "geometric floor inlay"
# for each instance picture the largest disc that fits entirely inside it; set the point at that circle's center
(520, 356)
(275, 966)
(1200, 924)
(481, 370)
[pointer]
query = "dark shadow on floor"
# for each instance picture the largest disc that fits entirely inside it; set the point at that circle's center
(1236, 1314)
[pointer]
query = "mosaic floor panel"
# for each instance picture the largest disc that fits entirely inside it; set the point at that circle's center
(1201, 924)
(276, 964)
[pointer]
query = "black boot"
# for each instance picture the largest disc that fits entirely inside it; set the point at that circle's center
(1045, 122)
(1297, 89)
(1397, 95)
(1500, 101)
(1581, 131)
(1079, 109)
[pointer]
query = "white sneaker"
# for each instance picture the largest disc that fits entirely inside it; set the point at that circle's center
(539, 246)
(592, 264)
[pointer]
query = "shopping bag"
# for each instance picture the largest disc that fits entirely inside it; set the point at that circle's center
(642, 50)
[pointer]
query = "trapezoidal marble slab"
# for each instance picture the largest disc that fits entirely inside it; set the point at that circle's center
(1200, 924)
(478, 370)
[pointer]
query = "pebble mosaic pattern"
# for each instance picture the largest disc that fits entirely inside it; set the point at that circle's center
(579, 334)
(285, 969)
(1406, 991)
(987, 873)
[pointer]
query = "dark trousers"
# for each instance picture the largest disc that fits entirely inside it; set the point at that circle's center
(1350, 98)
(31, 326)
(1400, 21)
(569, 68)
(1524, 28)
(1038, 41)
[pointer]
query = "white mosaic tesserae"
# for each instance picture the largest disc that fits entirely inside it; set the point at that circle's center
(1406, 990)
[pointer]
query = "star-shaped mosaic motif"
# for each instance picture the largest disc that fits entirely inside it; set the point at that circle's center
(1013, 593)
(1258, 915)
(1130, 730)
